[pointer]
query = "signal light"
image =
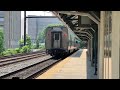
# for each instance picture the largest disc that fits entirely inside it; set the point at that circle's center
(65, 35)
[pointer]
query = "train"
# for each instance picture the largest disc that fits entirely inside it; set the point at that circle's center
(61, 41)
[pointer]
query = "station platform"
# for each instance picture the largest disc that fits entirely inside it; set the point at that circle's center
(75, 66)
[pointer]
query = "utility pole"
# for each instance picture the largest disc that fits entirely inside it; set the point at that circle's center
(24, 28)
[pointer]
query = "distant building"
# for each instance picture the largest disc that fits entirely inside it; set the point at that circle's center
(12, 28)
(36, 24)
(10, 22)
(1, 19)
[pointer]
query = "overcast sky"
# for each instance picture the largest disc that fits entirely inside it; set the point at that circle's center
(39, 13)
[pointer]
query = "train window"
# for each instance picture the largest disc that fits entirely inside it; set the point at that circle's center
(56, 36)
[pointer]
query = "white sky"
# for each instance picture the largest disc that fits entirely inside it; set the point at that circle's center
(39, 13)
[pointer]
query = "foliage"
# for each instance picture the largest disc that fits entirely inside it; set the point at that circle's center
(52, 25)
(6, 53)
(1, 41)
(33, 47)
(41, 35)
(37, 43)
(42, 47)
(25, 49)
(17, 50)
(28, 42)
(9, 52)
(21, 49)
(21, 43)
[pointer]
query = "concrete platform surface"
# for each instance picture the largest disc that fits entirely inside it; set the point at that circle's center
(75, 66)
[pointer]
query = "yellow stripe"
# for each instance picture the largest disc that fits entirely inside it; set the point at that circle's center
(56, 68)
(53, 70)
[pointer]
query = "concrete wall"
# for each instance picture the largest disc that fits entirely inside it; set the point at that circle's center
(115, 44)
(36, 25)
(32, 28)
(110, 68)
(12, 28)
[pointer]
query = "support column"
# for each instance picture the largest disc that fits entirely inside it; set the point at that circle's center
(91, 48)
(101, 50)
(93, 40)
(89, 54)
(96, 50)
(12, 28)
(115, 44)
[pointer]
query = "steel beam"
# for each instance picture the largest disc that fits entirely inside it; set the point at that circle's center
(84, 32)
(81, 14)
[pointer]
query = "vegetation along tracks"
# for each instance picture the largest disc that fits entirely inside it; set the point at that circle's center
(17, 59)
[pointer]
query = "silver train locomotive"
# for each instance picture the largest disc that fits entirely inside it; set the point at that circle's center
(60, 41)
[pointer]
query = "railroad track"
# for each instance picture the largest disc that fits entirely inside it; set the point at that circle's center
(32, 70)
(20, 54)
(17, 59)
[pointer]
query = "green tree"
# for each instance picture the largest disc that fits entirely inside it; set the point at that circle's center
(25, 49)
(28, 42)
(1, 41)
(21, 43)
(41, 35)
(52, 25)
(40, 38)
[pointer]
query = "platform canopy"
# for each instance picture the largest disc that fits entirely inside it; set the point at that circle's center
(83, 23)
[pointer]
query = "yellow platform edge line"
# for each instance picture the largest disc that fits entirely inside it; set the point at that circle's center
(54, 69)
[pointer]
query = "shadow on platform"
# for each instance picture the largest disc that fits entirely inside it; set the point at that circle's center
(90, 69)
(79, 52)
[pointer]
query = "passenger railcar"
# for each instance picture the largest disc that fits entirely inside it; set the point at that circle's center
(60, 41)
